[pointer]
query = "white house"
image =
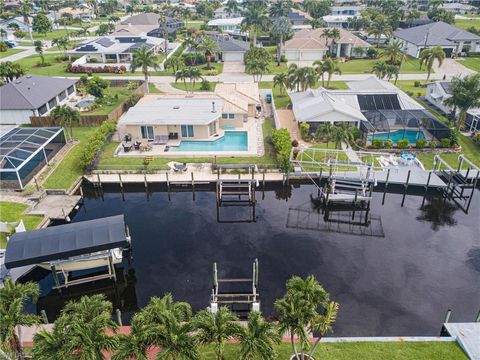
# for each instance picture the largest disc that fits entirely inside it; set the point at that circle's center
(32, 95)
(436, 94)
(453, 40)
(231, 25)
(230, 49)
(459, 8)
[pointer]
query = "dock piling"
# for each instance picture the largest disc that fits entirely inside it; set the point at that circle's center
(447, 316)
(193, 186)
(426, 188)
(118, 315)
(43, 313)
(386, 186)
(406, 187)
(477, 319)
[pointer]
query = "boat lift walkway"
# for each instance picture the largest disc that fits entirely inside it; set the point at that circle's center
(467, 336)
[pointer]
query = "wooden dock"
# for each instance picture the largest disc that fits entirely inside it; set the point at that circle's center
(467, 336)
(56, 207)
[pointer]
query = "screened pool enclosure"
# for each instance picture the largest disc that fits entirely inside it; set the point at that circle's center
(24, 152)
(397, 124)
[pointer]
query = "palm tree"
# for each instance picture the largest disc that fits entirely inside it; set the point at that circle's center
(428, 57)
(136, 344)
(25, 9)
(344, 133)
(394, 54)
(323, 324)
(67, 117)
(318, 66)
(281, 81)
(10, 71)
(163, 22)
(379, 69)
(210, 48)
(257, 341)
(465, 95)
(280, 8)
(13, 297)
(145, 59)
(392, 71)
(231, 7)
(330, 33)
(50, 345)
(308, 77)
(255, 19)
(293, 81)
(182, 75)
(61, 43)
(39, 50)
(325, 132)
(380, 26)
(215, 328)
(194, 74)
(331, 67)
(281, 30)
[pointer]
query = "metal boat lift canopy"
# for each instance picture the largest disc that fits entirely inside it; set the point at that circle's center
(64, 241)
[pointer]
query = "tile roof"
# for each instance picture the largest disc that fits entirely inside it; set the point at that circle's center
(31, 91)
(439, 34)
(227, 44)
(313, 39)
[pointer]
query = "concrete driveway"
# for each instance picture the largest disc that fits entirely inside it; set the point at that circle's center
(451, 67)
(233, 67)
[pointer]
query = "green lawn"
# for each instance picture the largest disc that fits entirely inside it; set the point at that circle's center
(69, 169)
(362, 66)
(181, 86)
(471, 62)
(13, 212)
(333, 85)
(52, 34)
(114, 96)
(362, 351)
(72, 45)
(217, 69)
(274, 69)
(409, 86)
(466, 23)
(281, 100)
(55, 68)
(109, 162)
(152, 89)
(10, 52)
(194, 25)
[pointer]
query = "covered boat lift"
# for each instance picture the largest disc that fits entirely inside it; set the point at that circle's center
(86, 243)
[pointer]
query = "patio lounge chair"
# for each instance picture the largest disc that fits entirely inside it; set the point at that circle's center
(180, 167)
(160, 140)
(127, 147)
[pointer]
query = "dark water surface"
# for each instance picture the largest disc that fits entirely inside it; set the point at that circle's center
(397, 284)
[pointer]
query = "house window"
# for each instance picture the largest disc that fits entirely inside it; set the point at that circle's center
(42, 109)
(231, 116)
(187, 131)
(224, 116)
(62, 96)
(70, 90)
(147, 132)
(52, 103)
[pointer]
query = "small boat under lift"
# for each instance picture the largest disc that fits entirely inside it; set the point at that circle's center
(72, 247)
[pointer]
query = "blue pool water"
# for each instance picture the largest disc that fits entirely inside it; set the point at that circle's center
(84, 103)
(410, 135)
(231, 141)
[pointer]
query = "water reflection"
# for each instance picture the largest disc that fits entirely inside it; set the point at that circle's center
(439, 212)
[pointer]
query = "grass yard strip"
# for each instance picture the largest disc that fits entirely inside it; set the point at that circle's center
(364, 66)
(281, 100)
(52, 34)
(471, 62)
(13, 212)
(55, 68)
(110, 162)
(117, 94)
(152, 89)
(181, 86)
(69, 169)
(10, 52)
(360, 350)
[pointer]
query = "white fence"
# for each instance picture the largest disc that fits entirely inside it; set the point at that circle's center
(276, 119)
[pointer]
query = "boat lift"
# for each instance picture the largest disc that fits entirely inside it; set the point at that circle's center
(460, 183)
(237, 300)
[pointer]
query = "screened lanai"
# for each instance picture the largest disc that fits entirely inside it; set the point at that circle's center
(397, 124)
(24, 151)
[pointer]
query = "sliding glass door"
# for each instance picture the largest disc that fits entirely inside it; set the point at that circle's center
(187, 131)
(147, 132)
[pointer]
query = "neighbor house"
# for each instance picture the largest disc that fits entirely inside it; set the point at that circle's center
(298, 17)
(230, 48)
(230, 25)
(148, 23)
(309, 45)
(114, 49)
(8, 24)
(222, 13)
(340, 16)
(195, 117)
(439, 91)
(459, 8)
(33, 95)
(451, 39)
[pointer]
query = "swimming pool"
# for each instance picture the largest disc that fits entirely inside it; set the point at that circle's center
(231, 141)
(410, 135)
(85, 103)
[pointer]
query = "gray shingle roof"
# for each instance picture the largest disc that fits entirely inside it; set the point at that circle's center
(31, 91)
(229, 44)
(439, 34)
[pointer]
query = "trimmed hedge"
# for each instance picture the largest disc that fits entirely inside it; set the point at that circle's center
(282, 142)
(95, 142)
(107, 69)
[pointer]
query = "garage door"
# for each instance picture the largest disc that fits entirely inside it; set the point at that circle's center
(448, 52)
(310, 55)
(232, 56)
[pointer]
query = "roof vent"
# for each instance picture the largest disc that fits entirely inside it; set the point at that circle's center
(18, 81)
(213, 107)
(176, 107)
(29, 76)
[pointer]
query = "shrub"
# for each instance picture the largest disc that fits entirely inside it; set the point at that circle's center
(96, 87)
(96, 141)
(132, 85)
(205, 85)
(476, 138)
(108, 69)
(454, 134)
(3, 46)
(416, 83)
(372, 53)
(377, 143)
(305, 131)
(19, 34)
(410, 93)
(295, 143)
(445, 142)
(192, 59)
(132, 100)
(283, 59)
(402, 144)
(60, 58)
(388, 144)
(432, 144)
(420, 143)
(283, 144)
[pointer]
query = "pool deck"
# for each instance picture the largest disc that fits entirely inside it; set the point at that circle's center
(467, 336)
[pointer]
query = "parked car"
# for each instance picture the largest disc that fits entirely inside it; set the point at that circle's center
(269, 98)
(10, 43)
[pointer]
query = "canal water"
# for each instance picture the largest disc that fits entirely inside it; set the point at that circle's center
(396, 276)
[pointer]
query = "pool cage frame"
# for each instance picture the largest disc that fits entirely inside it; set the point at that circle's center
(20, 146)
(393, 120)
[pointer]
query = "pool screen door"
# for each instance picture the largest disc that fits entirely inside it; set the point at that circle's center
(187, 131)
(147, 132)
